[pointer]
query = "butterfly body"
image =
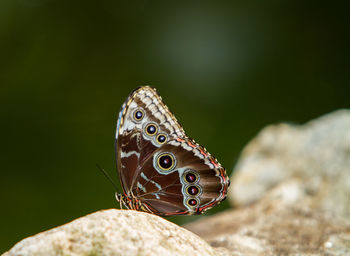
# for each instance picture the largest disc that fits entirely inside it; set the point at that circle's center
(162, 171)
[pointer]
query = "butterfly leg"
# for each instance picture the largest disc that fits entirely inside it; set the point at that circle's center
(118, 197)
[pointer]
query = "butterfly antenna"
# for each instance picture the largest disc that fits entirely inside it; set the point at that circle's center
(108, 177)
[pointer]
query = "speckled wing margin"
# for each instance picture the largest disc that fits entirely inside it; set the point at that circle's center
(153, 101)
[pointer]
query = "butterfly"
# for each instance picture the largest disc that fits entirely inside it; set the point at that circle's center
(161, 170)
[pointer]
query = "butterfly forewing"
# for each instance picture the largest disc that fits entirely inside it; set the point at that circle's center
(160, 168)
(133, 144)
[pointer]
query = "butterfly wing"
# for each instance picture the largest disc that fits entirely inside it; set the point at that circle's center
(161, 167)
(192, 183)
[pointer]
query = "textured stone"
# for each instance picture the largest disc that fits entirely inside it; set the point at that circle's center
(115, 232)
(281, 223)
(317, 154)
(292, 189)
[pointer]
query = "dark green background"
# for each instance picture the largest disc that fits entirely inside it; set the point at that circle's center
(226, 69)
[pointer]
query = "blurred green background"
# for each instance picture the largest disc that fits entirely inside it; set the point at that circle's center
(226, 69)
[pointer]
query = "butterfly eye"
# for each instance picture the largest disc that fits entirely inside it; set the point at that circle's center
(161, 138)
(191, 177)
(151, 129)
(192, 202)
(166, 161)
(193, 190)
(138, 114)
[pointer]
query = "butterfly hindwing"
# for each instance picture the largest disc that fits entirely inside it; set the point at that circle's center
(194, 183)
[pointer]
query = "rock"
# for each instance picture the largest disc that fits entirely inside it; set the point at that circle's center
(316, 154)
(292, 188)
(115, 232)
(281, 223)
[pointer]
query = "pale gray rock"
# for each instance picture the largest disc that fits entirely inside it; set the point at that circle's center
(115, 232)
(292, 189)
(317, 154)
(281, 223)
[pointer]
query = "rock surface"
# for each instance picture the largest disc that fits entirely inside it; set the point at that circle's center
(317, 154)
(292, 189)
(282, 223)
(114, 232)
